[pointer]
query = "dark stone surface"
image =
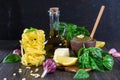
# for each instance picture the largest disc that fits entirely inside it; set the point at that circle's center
(34, 13)
(8, 69)
(10, 20)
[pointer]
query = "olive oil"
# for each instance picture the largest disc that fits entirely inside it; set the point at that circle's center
(54, 40)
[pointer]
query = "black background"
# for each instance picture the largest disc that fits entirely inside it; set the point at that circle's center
(15, 15)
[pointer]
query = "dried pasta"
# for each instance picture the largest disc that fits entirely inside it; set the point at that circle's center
(32, 43)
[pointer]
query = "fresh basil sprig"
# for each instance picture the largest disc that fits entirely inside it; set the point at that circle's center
(81, 74)
(11, 58)
(71, 30)
(108, 62)
(94, 59)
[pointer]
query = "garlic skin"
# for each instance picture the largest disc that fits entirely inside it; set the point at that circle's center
(116, 54)
(17, 51)
(112, 50)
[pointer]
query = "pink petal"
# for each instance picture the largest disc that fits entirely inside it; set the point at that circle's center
(112, 50)
(116, 54)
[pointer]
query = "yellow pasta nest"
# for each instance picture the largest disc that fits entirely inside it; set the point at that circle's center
(32, 43)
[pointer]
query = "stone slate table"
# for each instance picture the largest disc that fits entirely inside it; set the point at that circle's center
(11, 70)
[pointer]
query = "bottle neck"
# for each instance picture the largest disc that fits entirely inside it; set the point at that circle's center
(54, 21)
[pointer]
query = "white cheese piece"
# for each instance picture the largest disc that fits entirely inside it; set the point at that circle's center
(61, 52)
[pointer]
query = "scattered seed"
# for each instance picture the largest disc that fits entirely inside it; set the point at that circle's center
(28, 67)
(37, 69)
(32, 74)
(4, 78)
(31, 71)
(14, 74)
(23, 78)
(35, 75)
(20, 70)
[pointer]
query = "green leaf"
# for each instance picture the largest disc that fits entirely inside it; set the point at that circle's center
(80, 51)
(96, 63)
(82, 30)
(62, 29)
(84, 60)
(96, 52)
(11, 58)
(71, 30)
(93, 64)
(108, 62)
(80, 74)
(95, 59)
(31, 30)
(56, 25)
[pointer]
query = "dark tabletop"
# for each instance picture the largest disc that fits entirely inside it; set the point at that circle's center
(11, 70)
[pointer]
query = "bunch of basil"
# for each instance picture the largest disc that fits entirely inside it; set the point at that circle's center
(70, 30)
(94, 59)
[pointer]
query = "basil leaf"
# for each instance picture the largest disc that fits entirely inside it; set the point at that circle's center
(30, 30)
(80, 51)
(93, 64)
(96, 52)
(99, 64)
(95, 59)
(84, 59)
(81, 74)
(62, 29)
(82, 30)
(11, 58)
(71, 30)
(108, 62)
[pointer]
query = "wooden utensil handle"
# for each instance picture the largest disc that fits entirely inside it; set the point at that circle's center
(97, 21)
(71, 68)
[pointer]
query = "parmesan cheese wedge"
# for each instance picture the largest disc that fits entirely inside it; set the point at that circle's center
(62, 52)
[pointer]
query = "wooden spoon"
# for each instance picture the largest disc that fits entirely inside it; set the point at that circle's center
(97, 21)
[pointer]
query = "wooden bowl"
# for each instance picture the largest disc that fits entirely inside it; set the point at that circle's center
(76, 44)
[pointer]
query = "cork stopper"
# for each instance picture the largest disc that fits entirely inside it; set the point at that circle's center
(54, 10)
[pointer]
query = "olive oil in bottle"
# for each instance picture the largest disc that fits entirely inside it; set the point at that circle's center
(54, 40)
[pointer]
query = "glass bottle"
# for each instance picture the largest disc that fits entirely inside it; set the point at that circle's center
(54, 40)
